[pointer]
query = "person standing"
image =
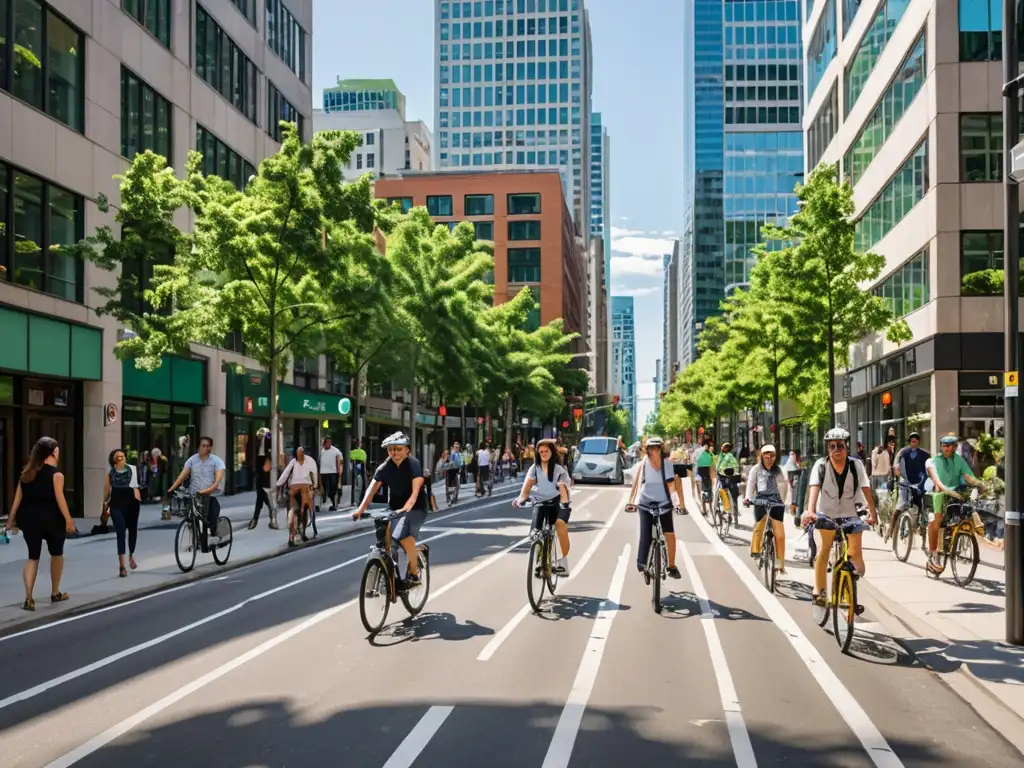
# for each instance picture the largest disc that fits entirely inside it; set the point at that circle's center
(121, 491)
(357, 466)
(41, 511)
(330, 471)
(483, 464)
(205, 473)
(263, 494)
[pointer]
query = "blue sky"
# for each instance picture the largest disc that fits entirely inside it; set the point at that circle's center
(637, 87)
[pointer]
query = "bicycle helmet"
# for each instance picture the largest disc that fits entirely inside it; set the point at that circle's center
(398, 438)
(768, 448)
(654, 442)
(837, 433)
(949, 439)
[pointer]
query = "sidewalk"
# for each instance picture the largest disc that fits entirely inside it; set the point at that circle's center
(91, 569)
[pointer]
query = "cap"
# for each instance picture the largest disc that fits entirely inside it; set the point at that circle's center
(768, 448)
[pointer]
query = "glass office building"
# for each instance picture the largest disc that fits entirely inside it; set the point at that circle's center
(364, 96)
(624, 352)
(600, 192)
(513, 89)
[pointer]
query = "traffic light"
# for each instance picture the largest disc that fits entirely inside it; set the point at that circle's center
(615, 401)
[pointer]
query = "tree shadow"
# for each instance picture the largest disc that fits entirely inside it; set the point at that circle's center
(428, 626)
(986, 660)
(990, 587)
(974, 608)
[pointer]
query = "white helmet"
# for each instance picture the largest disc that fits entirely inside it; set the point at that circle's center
(654, 442)
(398, 438)
(837, 433)
(768, 448)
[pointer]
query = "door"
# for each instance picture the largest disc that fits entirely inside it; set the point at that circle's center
(61, 429)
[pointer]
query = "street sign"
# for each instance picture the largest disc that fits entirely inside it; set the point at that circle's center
(1010, 384)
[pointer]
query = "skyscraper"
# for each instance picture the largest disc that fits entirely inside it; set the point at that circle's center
(513, 85)
(624, 353)
(600, 190)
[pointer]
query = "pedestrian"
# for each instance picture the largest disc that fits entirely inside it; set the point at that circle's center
(263, 495)
(41, 512)
(881, 466)
(123, 497)
(330, 471)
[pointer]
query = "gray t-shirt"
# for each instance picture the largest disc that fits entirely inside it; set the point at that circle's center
(547, 490)
(652, 488)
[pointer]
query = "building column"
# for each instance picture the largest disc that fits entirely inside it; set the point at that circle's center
(945, 406)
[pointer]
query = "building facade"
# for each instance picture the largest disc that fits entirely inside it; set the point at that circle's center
(513, 88)
(686, 335)
(624, 353)
(905, 96)
(115, 79)
(597, 316)
(600, 189)
(375, 109)
(670, 329)
(525, 215)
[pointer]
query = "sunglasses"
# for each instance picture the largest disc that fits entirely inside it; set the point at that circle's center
(837, 445)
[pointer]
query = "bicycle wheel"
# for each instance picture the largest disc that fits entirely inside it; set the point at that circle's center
(903, 536)
(357, 489)
(311, 522)
(964, 556)
(656, 576)
(222, 549)
(186, 542)
(551, 556)
(374, 596)
(844, 608)
(415, 599)
(768, 562)
(535, 576)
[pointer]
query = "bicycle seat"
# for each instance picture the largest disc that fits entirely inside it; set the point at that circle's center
(729, 472)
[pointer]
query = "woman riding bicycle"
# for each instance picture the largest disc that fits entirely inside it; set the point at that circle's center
(767, 481)
(300, 475)
(727, 468)
(549, 481)
(651, 489)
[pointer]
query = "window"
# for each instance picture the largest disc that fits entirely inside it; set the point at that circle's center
(44, 65)
(359, 162)
(439, 205)
(871, 47)
(981, 30)
(154, 15)
(523, 203)
(278, 109)
(901, 194)
(524, 265)
(850, 8)
(222, 64)
(894, 103)
(484, 230)
(305, 372)
(533, 316)
(247, 8)
(906, 289)
(981, 147)
(981, 262)
(823, 128)
(146, 118)
(286, 38)
(43, 218)
(405, 202)
(338, 380)
(524, 230)
(370, 160)
(479, 205)
(221, 160)
(369, 140)
(822, 48)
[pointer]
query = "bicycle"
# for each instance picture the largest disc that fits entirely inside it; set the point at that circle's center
(723, 507)
(308, 520)
(358, 481)
(705, 501)
(842, 601)
(380, 575)
(656, 569)
(451, 483)
(766, 558)
(191, 534)
(908, 522)
(540, 565)
(959, 542)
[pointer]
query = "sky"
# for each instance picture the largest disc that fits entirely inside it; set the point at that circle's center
(637, 52)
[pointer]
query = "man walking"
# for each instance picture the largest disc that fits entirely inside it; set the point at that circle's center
(330, 471)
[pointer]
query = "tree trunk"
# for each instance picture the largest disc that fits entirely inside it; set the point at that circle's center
(412, 416)
(359, 400)
(831, 374)
(274, 447)
(462, 421)
(508, 423)
(775, 392)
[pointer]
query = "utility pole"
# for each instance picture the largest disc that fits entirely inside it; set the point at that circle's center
(1011, 295)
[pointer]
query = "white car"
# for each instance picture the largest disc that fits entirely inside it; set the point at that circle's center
(597, 459)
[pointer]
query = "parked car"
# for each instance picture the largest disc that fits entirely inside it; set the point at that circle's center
(597, 459)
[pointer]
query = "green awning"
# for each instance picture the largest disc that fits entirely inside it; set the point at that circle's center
(49, 346)
(248, 394)
(177, 380)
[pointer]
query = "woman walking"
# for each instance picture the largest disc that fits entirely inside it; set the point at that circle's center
(263, 494)
(41, 512)
(121, 491)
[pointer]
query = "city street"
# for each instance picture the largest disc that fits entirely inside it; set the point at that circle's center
(269, 665)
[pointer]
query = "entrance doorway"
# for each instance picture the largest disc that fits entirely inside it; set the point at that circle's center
(61, 429)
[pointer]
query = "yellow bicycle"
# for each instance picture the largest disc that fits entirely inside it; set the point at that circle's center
(842, 598)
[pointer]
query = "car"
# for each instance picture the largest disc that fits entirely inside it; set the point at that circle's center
(597, 459)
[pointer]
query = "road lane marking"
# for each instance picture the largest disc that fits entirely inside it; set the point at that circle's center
(235, 572)
(503, 634)
(856, 718)
(562, 743)
(418, 738)
(742, 749)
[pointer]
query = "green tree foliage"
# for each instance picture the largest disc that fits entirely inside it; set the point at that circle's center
(620, 423)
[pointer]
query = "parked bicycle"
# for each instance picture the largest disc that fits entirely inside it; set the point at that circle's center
(381, 581)
(842, 600)
(191, 538)
(656, 570)
(358, 481)
(540, 565)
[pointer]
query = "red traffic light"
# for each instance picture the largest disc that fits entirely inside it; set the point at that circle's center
(577, 413)
(443, 410)
(565, 425)
(615, 399)
(887, 399)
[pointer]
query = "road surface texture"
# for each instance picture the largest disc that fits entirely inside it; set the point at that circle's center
(269, 665)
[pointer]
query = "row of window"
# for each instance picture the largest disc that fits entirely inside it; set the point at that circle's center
(526, 138)
(286, 38)
(759, 73)
(509, 95)
(870, 49)
(489, 73)
(495, 51)
(981, 147)
(221, 160)
(497, 118)
(518, 204)
(763, 93)
(762, 115)
(981, 30)
(762, 35)
(905, 190)
(221, 63)
(278, 109)
(154, 15)
(357, 158)
(762, 10)
(360, 101)
(42, 60)
(763, 52)
(524, 265)
(907, 82)
(822, 48)
(483, 8)
(907, 289)
(36, 219)
(823, 127)
(539, 27)
(479, 159)
(146, 118)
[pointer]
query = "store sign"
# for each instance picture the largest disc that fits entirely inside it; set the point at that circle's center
(250, 394)
(109, 414)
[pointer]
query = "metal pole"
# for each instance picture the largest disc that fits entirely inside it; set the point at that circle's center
(1011, 294)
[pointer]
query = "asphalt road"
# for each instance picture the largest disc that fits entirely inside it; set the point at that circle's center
(270, 666)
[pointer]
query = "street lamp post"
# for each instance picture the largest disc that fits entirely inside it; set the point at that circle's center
(1011, 295)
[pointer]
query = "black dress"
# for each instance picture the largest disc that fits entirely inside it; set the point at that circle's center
(39, 517)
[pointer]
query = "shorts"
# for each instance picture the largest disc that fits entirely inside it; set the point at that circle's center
(704, 473)
(776, 511)
(408, 524)
(849, 525)
(36, 531)
(667, 520)
(549, 511)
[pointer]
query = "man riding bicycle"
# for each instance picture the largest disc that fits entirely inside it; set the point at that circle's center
(357, 463)
(947, 472)
(706, 474)
(403, 476)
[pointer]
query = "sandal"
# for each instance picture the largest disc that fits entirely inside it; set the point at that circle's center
(819, 601)
(131, 562)
(122, 572)
(29, 605)
(59, 597)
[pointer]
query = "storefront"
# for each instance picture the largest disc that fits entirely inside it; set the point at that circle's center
(981, 403)
(306, 418)
(160, 425)
(43, 364)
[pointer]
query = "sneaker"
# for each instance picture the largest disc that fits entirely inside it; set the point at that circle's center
(674, 573)
(562, 567)
(412, 580)
(641, 568)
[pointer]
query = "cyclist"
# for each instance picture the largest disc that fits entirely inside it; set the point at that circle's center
(357, 464)
(549, 480)
(767, 480)
(706, 474)
(947, 472)
(840, 483)
(300, 476)
(726, 461)
(653, 483)
(403, 476)
(910, 468)
(205, 473)
(483, 468)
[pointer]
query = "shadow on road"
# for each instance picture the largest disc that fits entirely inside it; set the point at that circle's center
(565, 607)
(986, 660)
(682, 605)
(428, 626)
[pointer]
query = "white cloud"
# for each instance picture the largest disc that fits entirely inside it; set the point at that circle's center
(632, 265)
(668, 233)
(641, 292)
(636, 242)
